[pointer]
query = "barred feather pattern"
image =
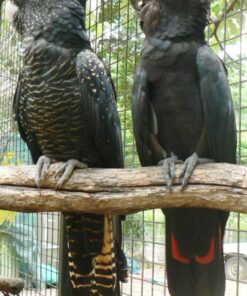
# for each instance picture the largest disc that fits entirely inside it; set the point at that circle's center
(50, 113)
(98, 277)
(65, 109)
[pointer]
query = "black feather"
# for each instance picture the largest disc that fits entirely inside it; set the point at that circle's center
(182, 104)
(65, 107)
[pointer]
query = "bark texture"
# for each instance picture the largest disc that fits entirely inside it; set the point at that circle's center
(122, 191)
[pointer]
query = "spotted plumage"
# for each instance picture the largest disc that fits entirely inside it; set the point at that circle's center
(65, 107)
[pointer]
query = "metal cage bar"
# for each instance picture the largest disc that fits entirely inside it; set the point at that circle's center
(116, 37)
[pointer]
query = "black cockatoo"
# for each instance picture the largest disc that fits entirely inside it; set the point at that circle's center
(183, 111)
(65, 107)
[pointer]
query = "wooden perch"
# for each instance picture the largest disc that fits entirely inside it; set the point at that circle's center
(217, 186)
(11, 285)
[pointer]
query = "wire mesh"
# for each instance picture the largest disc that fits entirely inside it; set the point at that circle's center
(29, 245)
(116, 37)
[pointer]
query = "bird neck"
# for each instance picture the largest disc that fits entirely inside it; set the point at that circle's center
(175, 20)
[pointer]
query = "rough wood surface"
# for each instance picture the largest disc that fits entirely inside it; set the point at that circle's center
(218, 186)
(11, 285)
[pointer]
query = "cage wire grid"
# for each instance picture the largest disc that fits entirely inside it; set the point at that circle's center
(28, 242)
(117, 38)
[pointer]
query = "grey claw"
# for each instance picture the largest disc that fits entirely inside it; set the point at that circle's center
(169, 185)
(205, 160)
(37, 182)
(184, 169)
(67, 169)
(189, 166)
(169, 169)
(184, 184)
(60, 171)
(172, 170)
(42, 168)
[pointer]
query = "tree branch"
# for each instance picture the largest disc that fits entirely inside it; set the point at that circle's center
(11, 285)
(216, 186)
(217, 23)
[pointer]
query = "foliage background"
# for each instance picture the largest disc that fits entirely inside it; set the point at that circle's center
(117, 38)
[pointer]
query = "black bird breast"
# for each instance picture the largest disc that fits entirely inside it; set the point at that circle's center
(175, 96)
